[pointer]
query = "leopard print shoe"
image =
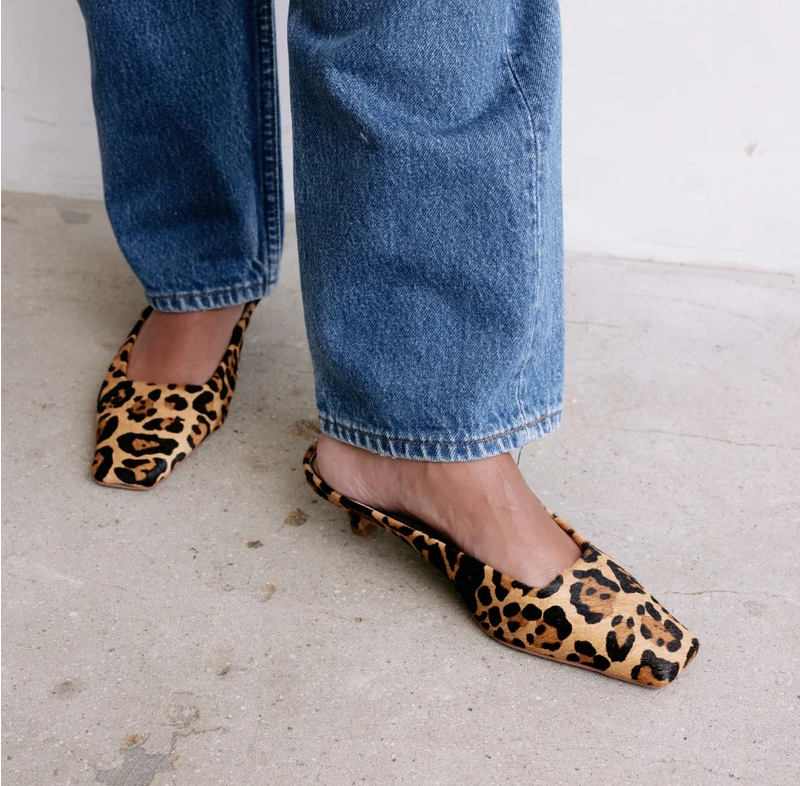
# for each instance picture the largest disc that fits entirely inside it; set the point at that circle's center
(145, 429)
(594, 614)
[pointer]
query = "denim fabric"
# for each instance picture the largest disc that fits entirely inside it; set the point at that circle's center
(428, 195)
(186, 102)
(428, 199)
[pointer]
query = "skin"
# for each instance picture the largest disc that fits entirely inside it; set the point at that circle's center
(485, 507)
(184, 349)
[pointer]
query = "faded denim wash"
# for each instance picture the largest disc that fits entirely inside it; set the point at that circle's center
(186, 101)
(427, 154)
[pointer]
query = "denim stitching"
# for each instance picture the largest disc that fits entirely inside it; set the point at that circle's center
(269, 119)
(203, 293)
(259, 130)
(390, 440)
(201, 302)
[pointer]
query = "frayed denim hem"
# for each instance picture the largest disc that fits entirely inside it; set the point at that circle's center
(205, 301)
(429, 450)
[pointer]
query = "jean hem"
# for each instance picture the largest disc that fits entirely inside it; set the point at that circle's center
(443, 449)
(217, 298)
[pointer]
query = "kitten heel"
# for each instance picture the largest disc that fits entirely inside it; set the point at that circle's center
(361, 525)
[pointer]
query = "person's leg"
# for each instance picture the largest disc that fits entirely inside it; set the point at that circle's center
(187, 114)
(428, 198)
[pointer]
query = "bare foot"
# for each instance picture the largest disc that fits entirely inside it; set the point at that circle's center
(184, 349)
(485, 506)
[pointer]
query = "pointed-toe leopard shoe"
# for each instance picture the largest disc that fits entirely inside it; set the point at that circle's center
(594, 615)
(145, 429)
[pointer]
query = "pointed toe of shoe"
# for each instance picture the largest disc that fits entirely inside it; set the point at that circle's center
(594, 615)
(112, 467)
(637, 639)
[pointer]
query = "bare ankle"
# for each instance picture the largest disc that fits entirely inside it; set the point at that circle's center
(182, 348)
(485, 507)
(351, 470)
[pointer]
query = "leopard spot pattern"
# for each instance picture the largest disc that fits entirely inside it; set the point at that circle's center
(144, 429)
(594, 615)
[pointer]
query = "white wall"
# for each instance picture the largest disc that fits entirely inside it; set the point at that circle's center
(49, 137)
(680, 123)
(682, 130)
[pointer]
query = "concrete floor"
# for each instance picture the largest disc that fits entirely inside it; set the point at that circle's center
(146, 643)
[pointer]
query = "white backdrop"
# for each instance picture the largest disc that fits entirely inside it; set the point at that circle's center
(680, 123)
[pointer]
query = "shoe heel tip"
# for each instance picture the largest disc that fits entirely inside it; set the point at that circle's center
(361, 526)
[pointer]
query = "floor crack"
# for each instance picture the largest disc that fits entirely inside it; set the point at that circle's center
(705, 592)
(754, 594)
(710, 439)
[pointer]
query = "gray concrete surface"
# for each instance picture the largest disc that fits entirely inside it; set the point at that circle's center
(146, 643)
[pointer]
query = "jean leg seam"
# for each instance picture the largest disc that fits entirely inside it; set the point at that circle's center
(258, 156)
(268, 115)
(535, 154)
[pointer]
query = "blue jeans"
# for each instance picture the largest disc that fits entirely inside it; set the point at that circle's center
(427, 154)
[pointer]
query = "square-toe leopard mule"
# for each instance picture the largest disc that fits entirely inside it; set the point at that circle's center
(145, 429)
(594, 614)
